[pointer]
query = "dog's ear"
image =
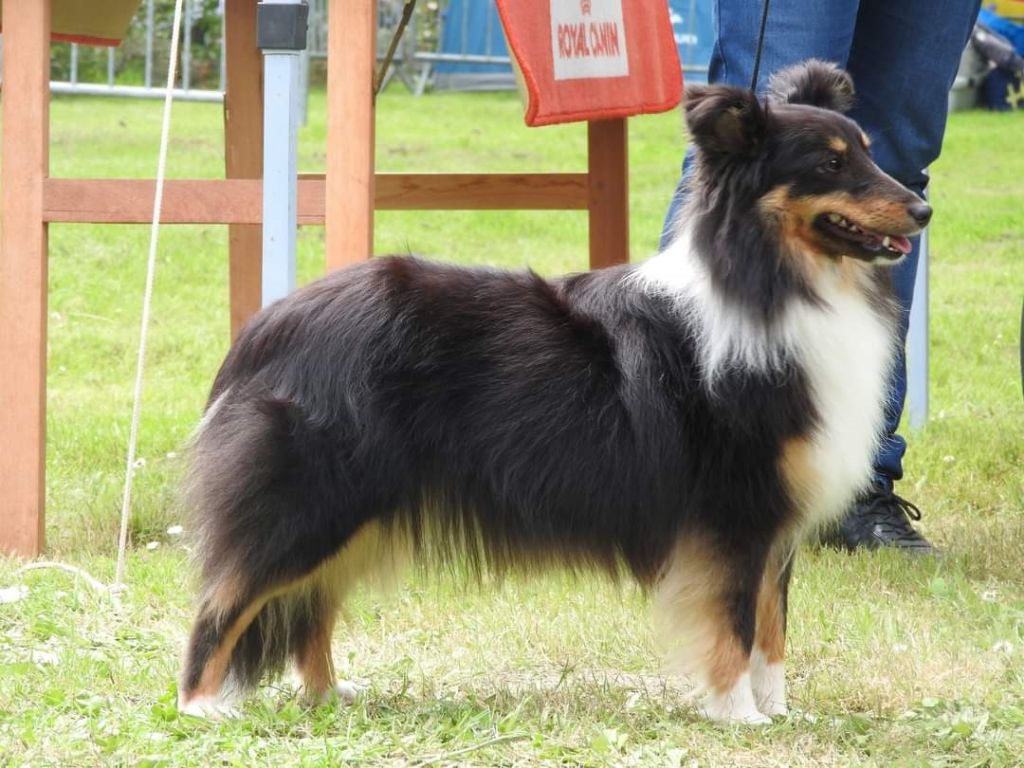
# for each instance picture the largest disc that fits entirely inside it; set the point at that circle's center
(817, 83)
(724, 120)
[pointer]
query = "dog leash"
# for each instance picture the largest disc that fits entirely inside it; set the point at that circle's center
(760, 45)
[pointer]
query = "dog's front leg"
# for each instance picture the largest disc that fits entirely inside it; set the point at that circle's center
(768, 676)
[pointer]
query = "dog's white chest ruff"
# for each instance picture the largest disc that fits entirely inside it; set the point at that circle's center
(842, 345)
(846, 350)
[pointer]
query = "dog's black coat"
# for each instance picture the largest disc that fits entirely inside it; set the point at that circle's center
(518, 418)
(510, 419)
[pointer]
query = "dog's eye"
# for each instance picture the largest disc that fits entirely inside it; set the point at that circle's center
(834, 163)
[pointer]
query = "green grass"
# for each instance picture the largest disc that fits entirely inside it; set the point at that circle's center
(891, 661)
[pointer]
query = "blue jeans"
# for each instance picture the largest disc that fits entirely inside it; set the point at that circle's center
(903, 57)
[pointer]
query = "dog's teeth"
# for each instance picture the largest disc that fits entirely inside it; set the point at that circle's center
(885, 241)
(835, 218)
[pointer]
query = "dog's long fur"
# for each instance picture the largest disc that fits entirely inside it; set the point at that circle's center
(683, 422)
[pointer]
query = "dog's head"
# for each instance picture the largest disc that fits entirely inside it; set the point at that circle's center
(803, 166)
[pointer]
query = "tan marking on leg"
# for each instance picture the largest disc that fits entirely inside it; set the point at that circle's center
(374, 554)
(370, 552)
(728, 659)
(770, 632)
(768, 676)
(694, 620)
(215, 668)
(315, 664)
(690, 616)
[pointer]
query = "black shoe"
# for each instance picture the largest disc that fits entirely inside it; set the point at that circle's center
(880, 518)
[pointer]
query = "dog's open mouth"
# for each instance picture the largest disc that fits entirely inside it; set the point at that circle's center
(891, 246)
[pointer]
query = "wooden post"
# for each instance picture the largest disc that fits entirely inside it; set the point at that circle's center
(608, 164)
(243, 152)
(23, 275)
(351, 55)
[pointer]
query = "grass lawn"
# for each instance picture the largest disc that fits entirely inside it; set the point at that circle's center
(891, 661)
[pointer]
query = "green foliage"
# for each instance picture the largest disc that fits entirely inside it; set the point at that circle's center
(130, 55)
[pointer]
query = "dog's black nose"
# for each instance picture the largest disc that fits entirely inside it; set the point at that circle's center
(921, 212)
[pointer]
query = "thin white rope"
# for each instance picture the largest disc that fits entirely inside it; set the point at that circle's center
(154, 236)
(93, 582)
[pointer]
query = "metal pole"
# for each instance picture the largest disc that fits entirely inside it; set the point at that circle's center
(281, 65)
(148, 76)
(303, 101)
(186, 48)
(464, 29)
(134, 91)
(110, 67)
(917, 343)
(492, 11)
(74, 62)
(223, 47)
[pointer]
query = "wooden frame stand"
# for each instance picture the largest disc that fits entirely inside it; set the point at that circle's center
(343, 200)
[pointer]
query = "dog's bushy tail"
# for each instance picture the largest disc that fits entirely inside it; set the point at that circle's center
(257, 502)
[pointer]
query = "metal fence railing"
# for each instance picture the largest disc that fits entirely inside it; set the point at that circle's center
(119, 83)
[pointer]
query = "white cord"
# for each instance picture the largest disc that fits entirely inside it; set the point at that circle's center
(95, 583)
(154, 233)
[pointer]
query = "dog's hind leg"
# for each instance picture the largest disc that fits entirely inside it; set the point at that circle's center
(706, 604)
(312, 655)
(374, 553)
(225, 614)
(314, 663)
(271, 507)
(768, 655)
(242, 632)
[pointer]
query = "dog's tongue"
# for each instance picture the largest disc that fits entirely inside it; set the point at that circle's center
(900, 243)
(875, 241)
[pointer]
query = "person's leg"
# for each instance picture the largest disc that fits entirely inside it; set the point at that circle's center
(903, 61)
(796, 30)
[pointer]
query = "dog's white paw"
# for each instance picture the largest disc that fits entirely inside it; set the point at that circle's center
(348, 691)
(345, 690)
(769, 684)
(773, 708)
(208, 708)
(734, 706)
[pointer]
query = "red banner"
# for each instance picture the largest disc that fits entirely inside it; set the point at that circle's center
(593, 59)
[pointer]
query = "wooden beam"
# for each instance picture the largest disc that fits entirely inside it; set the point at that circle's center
(351, 54)
(23, 276)
(126, 201)
(239, 201)
(243, 152)
(608, 163)
(481, 191)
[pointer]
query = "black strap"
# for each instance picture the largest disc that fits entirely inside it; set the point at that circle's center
(760, 45)
(378, 81)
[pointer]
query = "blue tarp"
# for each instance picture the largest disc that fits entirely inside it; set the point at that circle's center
(472, 27)
(695, 34)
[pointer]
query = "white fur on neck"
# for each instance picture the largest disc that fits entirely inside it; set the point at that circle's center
(729, 337)
(842, 344)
